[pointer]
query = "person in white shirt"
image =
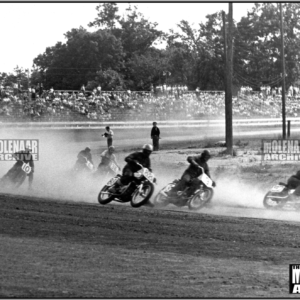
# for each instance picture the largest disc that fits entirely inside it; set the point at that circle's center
(107, 158)
(109, 135)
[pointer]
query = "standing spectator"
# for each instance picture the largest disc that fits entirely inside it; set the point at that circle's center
(98, 90)
(33, 94)
(155, 133)
(109, 135)
(41, 89)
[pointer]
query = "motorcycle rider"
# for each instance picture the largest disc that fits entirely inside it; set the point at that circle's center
(82, 158)
(190, 176)
(22, 156)
(107, 156)
(131, 167)
(294, 183)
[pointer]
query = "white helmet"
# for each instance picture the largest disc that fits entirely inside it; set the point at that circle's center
(148, 147)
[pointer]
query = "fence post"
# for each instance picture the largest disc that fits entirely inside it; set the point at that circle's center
(288, 128)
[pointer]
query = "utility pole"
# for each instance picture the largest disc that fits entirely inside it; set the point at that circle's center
(228, 53)
(225, 53)
(283, 75)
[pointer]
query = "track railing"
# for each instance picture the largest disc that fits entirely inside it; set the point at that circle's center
(147, 124)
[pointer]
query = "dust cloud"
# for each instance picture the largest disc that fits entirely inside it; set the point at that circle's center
(236, 198)
(53, 177)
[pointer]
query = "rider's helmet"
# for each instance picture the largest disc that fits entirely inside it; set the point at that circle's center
(87, 149)
(147, 149)
(206, 155)
(111, 149)
(28, 149)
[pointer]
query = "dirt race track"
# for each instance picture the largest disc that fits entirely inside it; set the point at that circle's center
(71, 247)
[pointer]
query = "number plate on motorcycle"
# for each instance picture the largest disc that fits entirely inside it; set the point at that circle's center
(148, 175)
(206, 180)
(26, 168)
(112, 181)
(89, 165)
(277, 188)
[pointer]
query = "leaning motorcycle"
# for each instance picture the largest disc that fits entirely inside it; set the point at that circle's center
(200, 198)
(281, 197)
(137, 192)
(107, 171)
(15, 178)
(86, 167)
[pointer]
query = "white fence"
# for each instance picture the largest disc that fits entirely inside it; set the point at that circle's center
(147, 124)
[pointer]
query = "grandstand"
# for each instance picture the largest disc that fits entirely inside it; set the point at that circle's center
(102, 106)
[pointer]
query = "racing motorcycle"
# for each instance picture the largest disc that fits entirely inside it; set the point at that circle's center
(88, 166)
(105, 171)
(15, 178)
(195, 201)
(281, 197)
(138, 191)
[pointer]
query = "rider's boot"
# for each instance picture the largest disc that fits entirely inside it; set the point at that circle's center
(115, 188)
(182, 193)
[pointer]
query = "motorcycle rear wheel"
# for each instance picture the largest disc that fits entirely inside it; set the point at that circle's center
(103, 194)
(144, 197)
(271, 203)
(201, 199)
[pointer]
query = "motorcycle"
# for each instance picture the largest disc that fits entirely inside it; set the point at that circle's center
(196, 200)
(87, 166)
(104, 171)
(138, 191)
(281, 197)
(15, 177)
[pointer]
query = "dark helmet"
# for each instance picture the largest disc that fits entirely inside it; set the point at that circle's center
(88, 149)
(206, 154)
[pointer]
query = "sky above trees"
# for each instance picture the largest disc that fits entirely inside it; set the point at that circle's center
(29, 28)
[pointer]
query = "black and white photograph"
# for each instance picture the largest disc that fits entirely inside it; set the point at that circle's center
(150, 150)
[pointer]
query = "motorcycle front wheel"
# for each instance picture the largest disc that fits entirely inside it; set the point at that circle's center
(140, 198)
(201, 199)
(273, 203)
(161, 199)
(105, 197)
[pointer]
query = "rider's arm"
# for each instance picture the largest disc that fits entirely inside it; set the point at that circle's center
(192, 161)
(103, 153)
(207, 172)
(132, 158)
(80, 155)
(90, 158)
(31, 163)
(114, 159)
(148, 165)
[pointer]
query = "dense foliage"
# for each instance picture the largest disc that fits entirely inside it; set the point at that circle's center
(122, 52)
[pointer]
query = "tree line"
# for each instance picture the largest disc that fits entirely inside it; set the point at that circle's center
(123, 53)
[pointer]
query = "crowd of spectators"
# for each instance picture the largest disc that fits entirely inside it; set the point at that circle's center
(164, 103)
